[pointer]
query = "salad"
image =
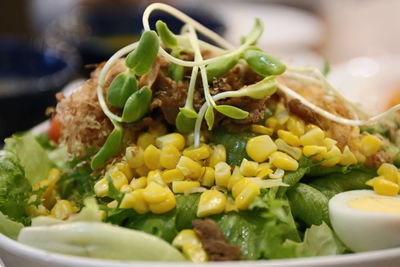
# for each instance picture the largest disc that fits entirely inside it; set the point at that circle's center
(179, 149)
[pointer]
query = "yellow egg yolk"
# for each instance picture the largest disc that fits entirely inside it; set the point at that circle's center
(376, 204)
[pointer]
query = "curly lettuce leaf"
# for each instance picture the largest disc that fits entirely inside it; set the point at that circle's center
(9, 227)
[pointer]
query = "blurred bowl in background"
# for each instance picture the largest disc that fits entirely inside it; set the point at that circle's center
(30, 77)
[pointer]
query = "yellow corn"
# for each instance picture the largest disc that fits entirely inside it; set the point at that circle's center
(156, 177)
(283, 161)
(264, 173)
(260, 147)
(186, 237)
(222, 174)
(370, 144)
(385, 187)
(211, 202)
(151, 157)
(230, 205)
(134, 156)
(281, 114)
(294, 152)
(199, 153)
(54, 175)
(289, 138)
(246, 196)
(101, 187)
(272, 123)
(239, 186)
(113, 204)
(332, 157)
(260, 129)
(208, 177)
(154, 193)
(146, 139)
(348, 157)
(218, 154)
(39, 210)
(172, 175)
(119, 179)
(138, 183)
(371, 182)
(164, 206)
(63, 209)
(314, 136)
(169, 156)
(142, 171)
(180, 187)
(295, 125)
(175, 139)
(126, 189)
(360, 157)
(329, 142)
(248, 168)
(158, 129)
(195, 253)
(135, 200)
(390, 172)
(125, 169)
(190, 168)
(312, 150)
(235, 177)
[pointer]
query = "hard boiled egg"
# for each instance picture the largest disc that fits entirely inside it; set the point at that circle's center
(365, 221)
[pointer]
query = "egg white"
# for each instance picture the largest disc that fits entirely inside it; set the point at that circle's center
(363, 230)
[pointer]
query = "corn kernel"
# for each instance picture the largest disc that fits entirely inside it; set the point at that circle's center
(101, 187)
(260, 129)
(195, 254)
(332, 157)
(138, 183)
(152, 157)
(40, 210)
(154, 193)
(169, 203)
(190, 168)
(134, 156)
(295, 125)
(180, 187)
(283, 161)
(264, 173)
(175, 139)
(271, 122)
(218, 154)
(135, 200)
(329, 142)
(260, 147)
(169, 156)
(390, 172)
(235, 177)
(348, 157)
(63, 209)
(211, 202)
(386, 187)
(54, 175)
(222, 174)
(370, 144)
(186, 237)
(146, 139)
(371, 182)
(248, 168)
(199, 153)
(113, 204)
(126, 189)
(246, 196)
(281, 114)
(125, 169)
(208, 177)
(238, 187)
(314, 136)
(360, 157)
(172, 175)
(289, 138)
(230, 205)
(294, 152)
(142, 171)
(119, 179)
(312, 150)
(156, 177)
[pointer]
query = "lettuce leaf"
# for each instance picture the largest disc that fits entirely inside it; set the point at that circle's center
(30, 156)
(9, 227)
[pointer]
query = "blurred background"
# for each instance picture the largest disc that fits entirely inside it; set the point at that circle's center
(47, 45)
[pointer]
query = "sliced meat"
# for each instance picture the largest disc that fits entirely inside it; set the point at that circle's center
(214, 242)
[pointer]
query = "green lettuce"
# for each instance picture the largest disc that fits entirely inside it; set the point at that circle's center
(9, 227)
